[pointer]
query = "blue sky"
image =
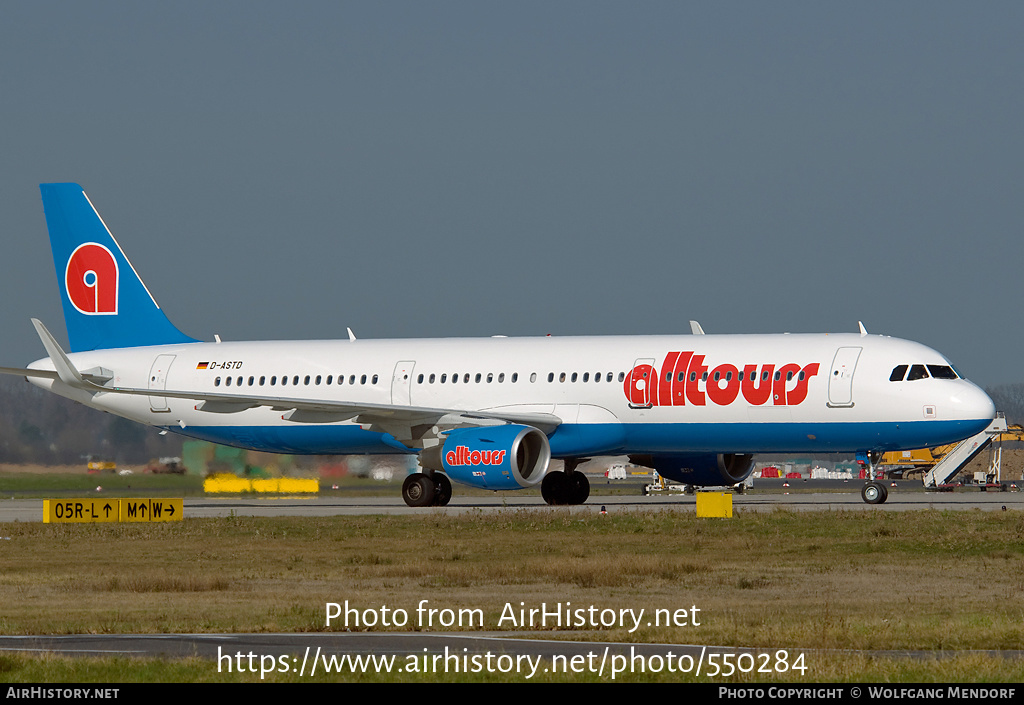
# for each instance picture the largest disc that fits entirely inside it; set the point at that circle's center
(285, 170)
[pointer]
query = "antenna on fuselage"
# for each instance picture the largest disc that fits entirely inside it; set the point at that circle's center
(863, 330)
(695, 328)
(351, 335)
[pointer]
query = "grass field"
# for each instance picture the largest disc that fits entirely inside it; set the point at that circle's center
(830, 581)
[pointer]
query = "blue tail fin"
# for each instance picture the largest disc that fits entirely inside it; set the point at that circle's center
(106, 305)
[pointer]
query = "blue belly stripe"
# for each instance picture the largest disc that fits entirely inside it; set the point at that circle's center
(571, 440)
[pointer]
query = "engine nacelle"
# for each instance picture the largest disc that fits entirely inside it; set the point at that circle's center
(492, 457)
(709, 469)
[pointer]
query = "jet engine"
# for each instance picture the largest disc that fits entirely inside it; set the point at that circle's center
(709, 469)
(492, 457)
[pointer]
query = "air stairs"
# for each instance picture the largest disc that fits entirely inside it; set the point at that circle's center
(963, 453)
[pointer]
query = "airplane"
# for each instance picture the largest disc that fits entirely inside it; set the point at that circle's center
(492, 412)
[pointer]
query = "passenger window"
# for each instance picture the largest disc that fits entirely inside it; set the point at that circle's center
(586, 376)
(573, 377)
(477, 378)
(551, 376)
(622, 376)
(330, 379)
(561, 377)
(374, 381)
(444, 377)
(216, 382)
(898, 373)
(917, 372)
(318, 379)
(501, 377)
(419, 380)
(515, 377)
(295, 380)
(362, 380)
(306, 381)
(465, 379)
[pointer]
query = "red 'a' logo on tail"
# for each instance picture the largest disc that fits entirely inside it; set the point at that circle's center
(91, 280)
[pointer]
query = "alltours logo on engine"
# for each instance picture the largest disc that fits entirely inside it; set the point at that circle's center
(462, 455)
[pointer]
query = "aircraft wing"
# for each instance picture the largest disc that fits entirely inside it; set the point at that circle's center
(405, 423)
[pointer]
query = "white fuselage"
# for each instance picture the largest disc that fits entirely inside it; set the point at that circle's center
(613, 395)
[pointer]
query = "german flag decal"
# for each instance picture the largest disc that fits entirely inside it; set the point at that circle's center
(202, 365)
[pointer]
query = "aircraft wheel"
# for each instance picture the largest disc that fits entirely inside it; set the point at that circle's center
(873, 493)
(580, 488)
(418, 490)
(442, 490)
(555, 488)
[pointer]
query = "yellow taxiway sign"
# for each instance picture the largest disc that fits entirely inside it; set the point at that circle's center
(95, 510)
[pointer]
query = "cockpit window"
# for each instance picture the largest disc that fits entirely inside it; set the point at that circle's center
(917, 372)
(898, 373)
(942, 371)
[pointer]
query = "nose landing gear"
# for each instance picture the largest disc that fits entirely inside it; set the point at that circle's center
(873, 492)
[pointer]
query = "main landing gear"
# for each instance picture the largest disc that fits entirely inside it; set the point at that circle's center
(423, 490)
(565, 488)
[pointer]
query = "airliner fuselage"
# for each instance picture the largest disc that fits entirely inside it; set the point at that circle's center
(490, 412)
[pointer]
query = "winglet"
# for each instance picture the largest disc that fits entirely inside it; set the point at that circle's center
(65, 370)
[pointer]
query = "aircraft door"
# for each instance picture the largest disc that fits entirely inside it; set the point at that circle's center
(401, 383)
(158, 380)
(642, 384)
(840, 379)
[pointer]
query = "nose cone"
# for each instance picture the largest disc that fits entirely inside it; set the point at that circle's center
(974, 406)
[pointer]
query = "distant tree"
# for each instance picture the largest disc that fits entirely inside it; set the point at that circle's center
(1009, 398)
(43, 428)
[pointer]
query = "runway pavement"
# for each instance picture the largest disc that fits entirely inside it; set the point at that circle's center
(29, 510)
